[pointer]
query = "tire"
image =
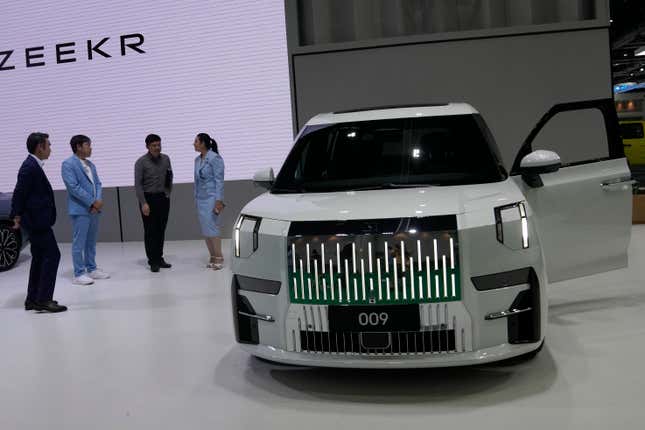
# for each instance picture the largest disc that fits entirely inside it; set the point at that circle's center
(10, 246)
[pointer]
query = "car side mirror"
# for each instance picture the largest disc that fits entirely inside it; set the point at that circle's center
(538, 163)
(264, 178)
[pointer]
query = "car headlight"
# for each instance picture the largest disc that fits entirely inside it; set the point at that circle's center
(245, 235)
(512, 213)
(525, 225)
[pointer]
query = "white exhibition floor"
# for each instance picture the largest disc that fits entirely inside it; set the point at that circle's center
(156, 351)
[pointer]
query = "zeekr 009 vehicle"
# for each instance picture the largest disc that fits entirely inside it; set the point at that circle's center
(394, 237)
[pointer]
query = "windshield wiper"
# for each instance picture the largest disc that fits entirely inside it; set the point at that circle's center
(295, 190)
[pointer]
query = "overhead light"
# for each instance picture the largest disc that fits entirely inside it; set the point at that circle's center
(416, 153)
(640, 52)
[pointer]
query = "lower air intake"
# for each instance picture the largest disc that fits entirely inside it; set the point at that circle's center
(385, 343)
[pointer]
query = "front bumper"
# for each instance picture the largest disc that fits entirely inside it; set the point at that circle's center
(274, 325)
(482, 356)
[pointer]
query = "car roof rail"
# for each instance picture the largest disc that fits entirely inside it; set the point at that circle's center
(391, 107)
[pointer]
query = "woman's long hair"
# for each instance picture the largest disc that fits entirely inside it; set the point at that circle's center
(208, 141)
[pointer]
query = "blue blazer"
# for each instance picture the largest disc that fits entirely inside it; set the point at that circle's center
(33, 198)
(209, 177)
(81, 193)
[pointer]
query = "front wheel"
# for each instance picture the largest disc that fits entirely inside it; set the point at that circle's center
(10, 245)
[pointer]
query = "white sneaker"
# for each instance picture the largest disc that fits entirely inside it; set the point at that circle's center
(99, 274)
(83, 280)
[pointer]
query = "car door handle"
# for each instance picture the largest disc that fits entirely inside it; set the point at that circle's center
(614, 184)
(506, 314)
(627, 145)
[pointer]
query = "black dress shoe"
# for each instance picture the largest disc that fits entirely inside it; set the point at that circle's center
(30, 306)
(164, 264)
(50, 307)
(154, 268)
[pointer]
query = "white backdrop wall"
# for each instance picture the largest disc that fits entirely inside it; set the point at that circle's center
(215, 66)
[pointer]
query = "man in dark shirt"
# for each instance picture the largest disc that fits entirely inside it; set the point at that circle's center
(33, 208)
(153, 184)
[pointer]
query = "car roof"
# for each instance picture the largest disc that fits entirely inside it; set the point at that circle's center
(393, 112)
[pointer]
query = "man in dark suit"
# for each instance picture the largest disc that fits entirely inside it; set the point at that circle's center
(33, 207)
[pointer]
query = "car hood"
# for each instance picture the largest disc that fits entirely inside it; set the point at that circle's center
(391, 203)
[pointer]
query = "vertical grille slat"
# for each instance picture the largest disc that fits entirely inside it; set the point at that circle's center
(388, 261)
(400, 343)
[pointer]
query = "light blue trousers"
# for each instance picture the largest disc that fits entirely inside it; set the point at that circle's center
(85, 230)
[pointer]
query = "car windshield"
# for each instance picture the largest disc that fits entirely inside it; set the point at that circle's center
(394, 153)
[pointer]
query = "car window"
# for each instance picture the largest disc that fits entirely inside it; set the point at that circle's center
(448, 150)
(453, 146)
(348, 152)
(631, 130)
(576, 136)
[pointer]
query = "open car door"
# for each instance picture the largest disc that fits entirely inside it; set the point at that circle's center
(583, 210)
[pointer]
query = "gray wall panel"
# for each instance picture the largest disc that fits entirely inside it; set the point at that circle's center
(109, 230)
(182, 221)
(182, 224)
(511, 80)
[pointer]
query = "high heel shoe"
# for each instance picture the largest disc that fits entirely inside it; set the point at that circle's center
(216, 263)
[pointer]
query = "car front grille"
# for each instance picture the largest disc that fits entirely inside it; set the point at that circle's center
(379, 343)
(385, 261)
(444, 328)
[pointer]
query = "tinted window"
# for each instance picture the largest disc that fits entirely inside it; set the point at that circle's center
(633, 130)
(577, 136)
(448, 150)
(453, 150)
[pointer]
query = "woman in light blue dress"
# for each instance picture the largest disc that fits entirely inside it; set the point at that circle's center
(209, 195)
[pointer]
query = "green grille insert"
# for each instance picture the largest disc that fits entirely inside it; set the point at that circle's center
(367, 268)
(405, 290)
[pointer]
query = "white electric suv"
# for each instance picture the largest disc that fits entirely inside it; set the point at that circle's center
(394, 237)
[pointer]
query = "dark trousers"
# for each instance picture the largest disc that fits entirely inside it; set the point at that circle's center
(45, 257)
(154, 226)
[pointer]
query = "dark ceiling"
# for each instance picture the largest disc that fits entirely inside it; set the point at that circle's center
(627, 35)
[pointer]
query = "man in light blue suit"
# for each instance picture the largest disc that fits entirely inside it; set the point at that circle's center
(84, 202)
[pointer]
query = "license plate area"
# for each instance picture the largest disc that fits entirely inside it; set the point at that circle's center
(374, 318)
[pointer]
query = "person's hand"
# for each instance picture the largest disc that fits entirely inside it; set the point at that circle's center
(16, 223)
(98, 205)
(145, 209)
(93, 210)
(219, 206)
